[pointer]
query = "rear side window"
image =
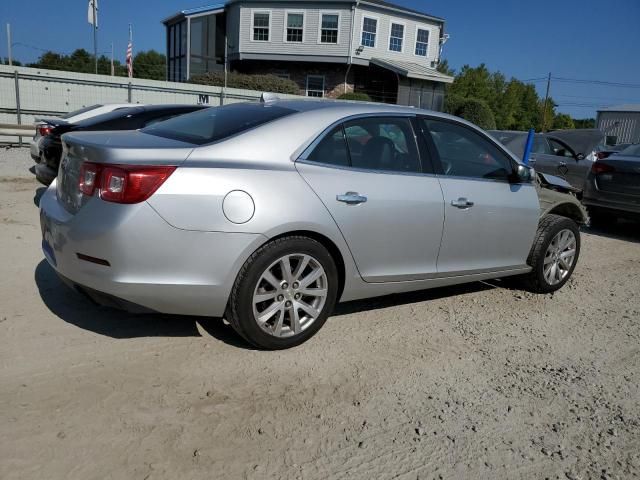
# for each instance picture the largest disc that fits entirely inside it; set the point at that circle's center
(332, 149)
(371, 143)
(464, 152)
(386, 144)
(217, 123)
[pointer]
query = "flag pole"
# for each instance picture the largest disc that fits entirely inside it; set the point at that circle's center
(95, 34)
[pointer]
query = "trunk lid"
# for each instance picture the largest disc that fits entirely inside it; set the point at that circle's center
(625, 177)
(122, 148)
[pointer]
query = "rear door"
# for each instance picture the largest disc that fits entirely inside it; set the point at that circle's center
(489, 222)
(381, 193)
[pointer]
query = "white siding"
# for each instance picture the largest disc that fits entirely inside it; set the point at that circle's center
(381, 49)
(277, 43)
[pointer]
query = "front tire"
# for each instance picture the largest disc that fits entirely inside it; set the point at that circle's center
(554, 254)
(284, 293)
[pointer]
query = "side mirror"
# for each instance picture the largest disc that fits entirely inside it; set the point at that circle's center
(580, 156)
(523, 174)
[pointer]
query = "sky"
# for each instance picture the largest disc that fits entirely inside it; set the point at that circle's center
(583, 40)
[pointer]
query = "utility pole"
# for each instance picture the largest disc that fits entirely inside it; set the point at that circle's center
(9, 43)
(112, 69)
(546, 100)
(95, 33)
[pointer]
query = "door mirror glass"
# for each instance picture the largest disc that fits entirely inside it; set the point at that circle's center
(524, 174)
(580, 156)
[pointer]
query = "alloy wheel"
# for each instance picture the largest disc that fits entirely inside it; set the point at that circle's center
(559, 257)
(290, 295)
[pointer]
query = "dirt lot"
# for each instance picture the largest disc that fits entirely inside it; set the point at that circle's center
(466, 382)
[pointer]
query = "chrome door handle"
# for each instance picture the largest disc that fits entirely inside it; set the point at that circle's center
(462, 203)
(351, 198)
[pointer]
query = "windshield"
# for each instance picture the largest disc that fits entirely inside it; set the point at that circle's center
(216, 123)
(631, 150)
(79, 111)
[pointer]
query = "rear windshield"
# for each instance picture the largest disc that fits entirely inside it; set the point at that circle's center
(216, 123)
(79, 111)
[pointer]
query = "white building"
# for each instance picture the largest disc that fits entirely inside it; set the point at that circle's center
(328, 47)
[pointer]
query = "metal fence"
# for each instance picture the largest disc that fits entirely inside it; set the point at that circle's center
(30, 93)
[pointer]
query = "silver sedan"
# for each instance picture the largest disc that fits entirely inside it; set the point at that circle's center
(269, 213)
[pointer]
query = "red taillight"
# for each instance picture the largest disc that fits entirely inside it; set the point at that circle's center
(122, 183)
(88, 178)
(44, 130)
(599, 167)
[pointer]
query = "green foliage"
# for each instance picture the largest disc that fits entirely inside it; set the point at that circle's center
(472, 109)
(14, 62)
(514, 104)
(264, 83)
(359, 96)
(149, 64)
(443, 67)
(562, 121)
(584, 123)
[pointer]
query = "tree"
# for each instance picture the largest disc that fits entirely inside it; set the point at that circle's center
(149, 64)
(562, 121)
(443, 67)
(14, 62)
(584, 122)
(474, 110)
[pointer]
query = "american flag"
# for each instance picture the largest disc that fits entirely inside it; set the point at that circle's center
(130, 59)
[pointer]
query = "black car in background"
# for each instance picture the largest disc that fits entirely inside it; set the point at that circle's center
(131, 118)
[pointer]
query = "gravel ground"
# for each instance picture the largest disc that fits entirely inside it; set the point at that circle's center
(466, 382)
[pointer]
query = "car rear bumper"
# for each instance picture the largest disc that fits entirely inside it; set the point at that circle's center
(593, 197)
(128, 257)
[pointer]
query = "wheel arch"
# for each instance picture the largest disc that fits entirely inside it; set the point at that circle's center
(568, 210)
(327, 243)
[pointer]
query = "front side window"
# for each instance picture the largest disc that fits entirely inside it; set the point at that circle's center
(369, 30)
(315, 85)
(396, 37)
(422, 42)
(385, 144)
(329, 28)
(464, 152)
(295, 27)
(261, 26)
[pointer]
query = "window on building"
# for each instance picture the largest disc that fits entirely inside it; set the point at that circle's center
(422, 42)
(369, 29)
(261, 22)
(295, 27)
(329, 29)
(177, 60)
(396, 37)
(315, 85)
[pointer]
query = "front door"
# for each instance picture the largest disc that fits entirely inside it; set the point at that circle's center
(368, 174)
(489, 223)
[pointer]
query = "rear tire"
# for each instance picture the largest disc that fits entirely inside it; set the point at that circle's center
(284, 293)
(554, 254)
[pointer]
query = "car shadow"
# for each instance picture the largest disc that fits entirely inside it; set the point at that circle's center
(622, 229)
(398, 299)
(78, 310)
